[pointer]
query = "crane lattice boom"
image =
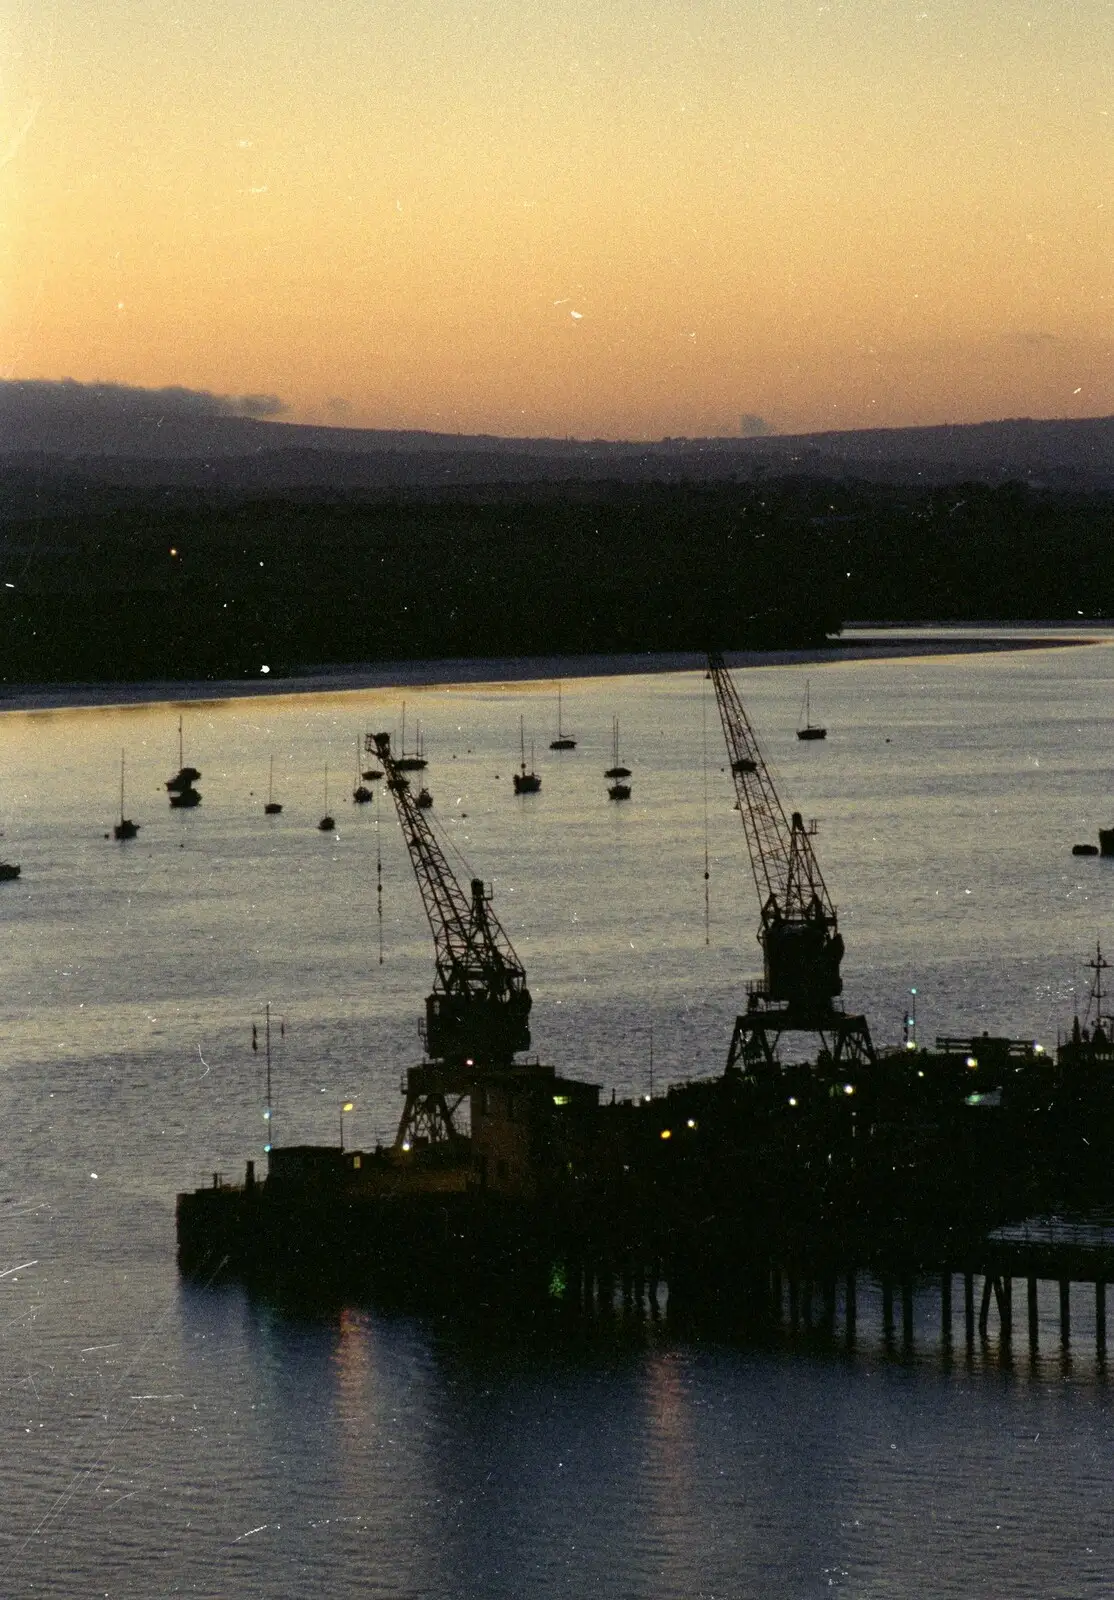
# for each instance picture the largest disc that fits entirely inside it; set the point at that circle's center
(799, 934)
(478, 1012)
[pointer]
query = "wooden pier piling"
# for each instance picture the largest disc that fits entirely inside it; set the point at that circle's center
(1100, 1315)
(946, 1305)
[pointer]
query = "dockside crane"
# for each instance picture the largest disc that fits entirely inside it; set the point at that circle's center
(477, 1015)
(802, 947)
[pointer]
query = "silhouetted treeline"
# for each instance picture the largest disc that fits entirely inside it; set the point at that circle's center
(141, 588)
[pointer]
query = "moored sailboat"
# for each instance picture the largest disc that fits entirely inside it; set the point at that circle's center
(370, 774)
(328, 822)
(810, 730)
(181, 786)
(416, 762)
(618, 788)
(563, 741)
(273, 806)
(361, 794)
(125, 828)
(526, 782)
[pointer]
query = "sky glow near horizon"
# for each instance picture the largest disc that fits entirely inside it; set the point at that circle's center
(627, 219)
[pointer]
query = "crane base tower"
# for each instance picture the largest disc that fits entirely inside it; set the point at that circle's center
(842, 1040)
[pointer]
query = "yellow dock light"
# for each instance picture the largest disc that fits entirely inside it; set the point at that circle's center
(347, 1106)
(667, 1133)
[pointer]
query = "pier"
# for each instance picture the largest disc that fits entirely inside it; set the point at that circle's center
(1038, 1286)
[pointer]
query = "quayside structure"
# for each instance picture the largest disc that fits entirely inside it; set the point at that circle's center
(802, 947)
(809, 1152)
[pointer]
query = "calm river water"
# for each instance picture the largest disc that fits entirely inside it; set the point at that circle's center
(161, 1439)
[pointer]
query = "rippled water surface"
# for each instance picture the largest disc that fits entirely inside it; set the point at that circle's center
(161, 1439)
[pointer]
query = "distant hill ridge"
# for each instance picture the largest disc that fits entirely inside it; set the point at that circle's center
(261, 455)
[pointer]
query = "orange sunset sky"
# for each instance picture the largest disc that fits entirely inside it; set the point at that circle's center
(616, 218)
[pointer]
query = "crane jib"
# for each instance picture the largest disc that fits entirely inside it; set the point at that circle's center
(801, 944)
(479, 1008)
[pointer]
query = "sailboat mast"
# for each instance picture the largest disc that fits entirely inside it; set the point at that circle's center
(1098, 994)
(379, 877)
(268, 1072)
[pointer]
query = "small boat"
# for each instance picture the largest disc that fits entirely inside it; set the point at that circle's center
(1092, 1044)
(125, 828)
(181, 786)
(423, 798)
(361, 794)
(1084, 849)
(327, 823)
(273, 806)
(416, 762)
(618, 789)
(526, 782)
(370, 774)
(616, 771)
(810, 730)
(563, 740)
(8, 871)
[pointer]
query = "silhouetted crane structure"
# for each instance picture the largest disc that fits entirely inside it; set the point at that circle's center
(802, 946)
(477, 1015)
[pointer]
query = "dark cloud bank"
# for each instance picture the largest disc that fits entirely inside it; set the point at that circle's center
(114, 418)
